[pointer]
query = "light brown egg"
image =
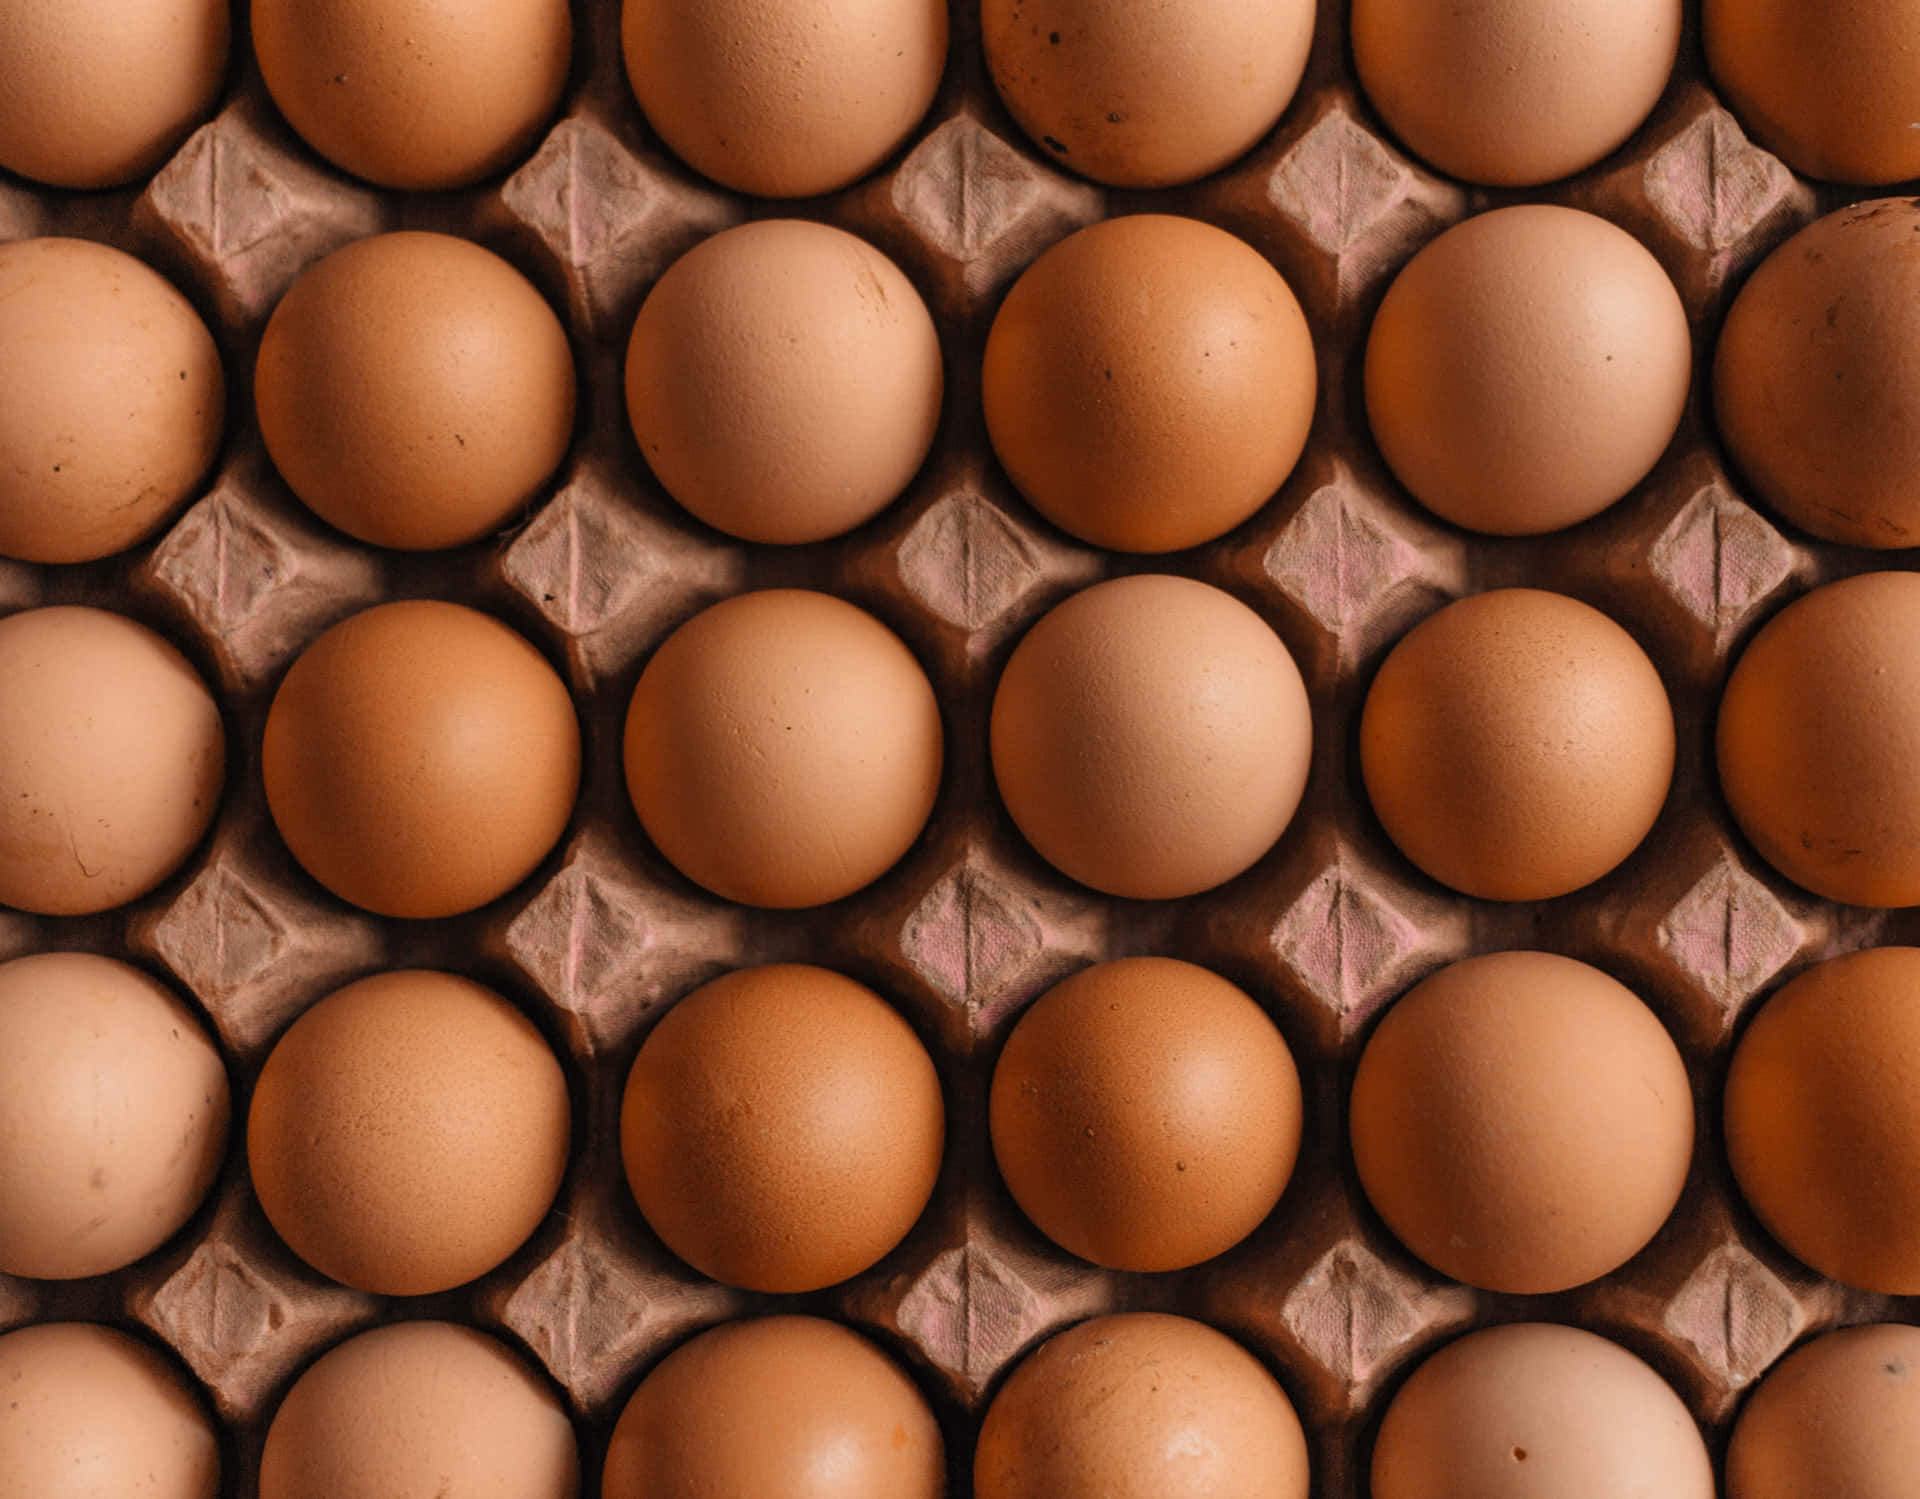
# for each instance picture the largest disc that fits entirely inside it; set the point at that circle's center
(784, 381)
(112, 756)
(784, 101)
(1535, 1411)
(1838, 1416)
(1823, 1118)
(1829, 88)
(113, 1115)
(421, 759)
(1143, 93)
(420, 1410)
(96, 93)
(783, 748)
(776, 1408)
(1818, 736)
(1151, 737)
(782, 1128)
(1514, 92)
(1145, 1114)
(416, 93)
(92, 1414)
(1140, 1406)
(1814, 384)
(408, 1132)
(1517, 745)
(112, 398)
(415, 390)
(1149, 383)
(1522, 1122)
(1527, 369)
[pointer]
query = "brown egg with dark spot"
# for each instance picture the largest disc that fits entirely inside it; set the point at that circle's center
(782, 1128)
(1140, 1406)
(1535, 1411)
(1517, 745)
(408, 1133)
(1814, 383)
(1837, 1416)
(112, 399)
(1149, 383)
(1818, 737)
(416, 94)
(415, 390)
(1145, 1114)
(777, 1408)
(421, 759)
(1823, 1118)
(1514, 92)
(1144, 93)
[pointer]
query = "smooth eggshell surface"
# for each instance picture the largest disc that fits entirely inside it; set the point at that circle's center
(1838, 1416)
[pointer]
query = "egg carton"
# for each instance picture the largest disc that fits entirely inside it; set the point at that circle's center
(1325, 931)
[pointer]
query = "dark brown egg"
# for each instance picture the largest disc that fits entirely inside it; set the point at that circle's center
(1837, 1416)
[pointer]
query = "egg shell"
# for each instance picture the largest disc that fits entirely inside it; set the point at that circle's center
(783, 748)
(782, 1128)
(421, 759)
(1140, 1406)
(784, 101)
(1514, 92)
(1143, 93)
(1527, 369)
(1814, 382)
(420, 1410)
(464, 96)
(1517, 745)
(784, 381)
(1839, 1415)
(415, 390)
(776, 1408)
(1149, 383)
(112, 397)
(408, 1132)
(1145, 1114)
(92, 1414)
(1818, 735)
(1151, 737)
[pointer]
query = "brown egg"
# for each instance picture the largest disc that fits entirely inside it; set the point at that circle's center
(1527, 369)
(1146, 95)
(416, 93)
(1813, 381)
(421, 759)
(112, 398)
(1839, 1416)
(1823, 1118)
(92, 1414)
(113, 1115)
(1517, 745)
(784, 381)
(776, 1408)
(1535, 1411)
(783, 748)
(408, 1133)
(1522, 1122)
(1514, 92)
(1830, 88)
(420, 1409)
(1149, 383)
(95, 93)
(415, 390)
(112, 756)
(784, 101)
(782, 1128)
(1145, 1114)
(1818, 736)
(1140, 1406)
